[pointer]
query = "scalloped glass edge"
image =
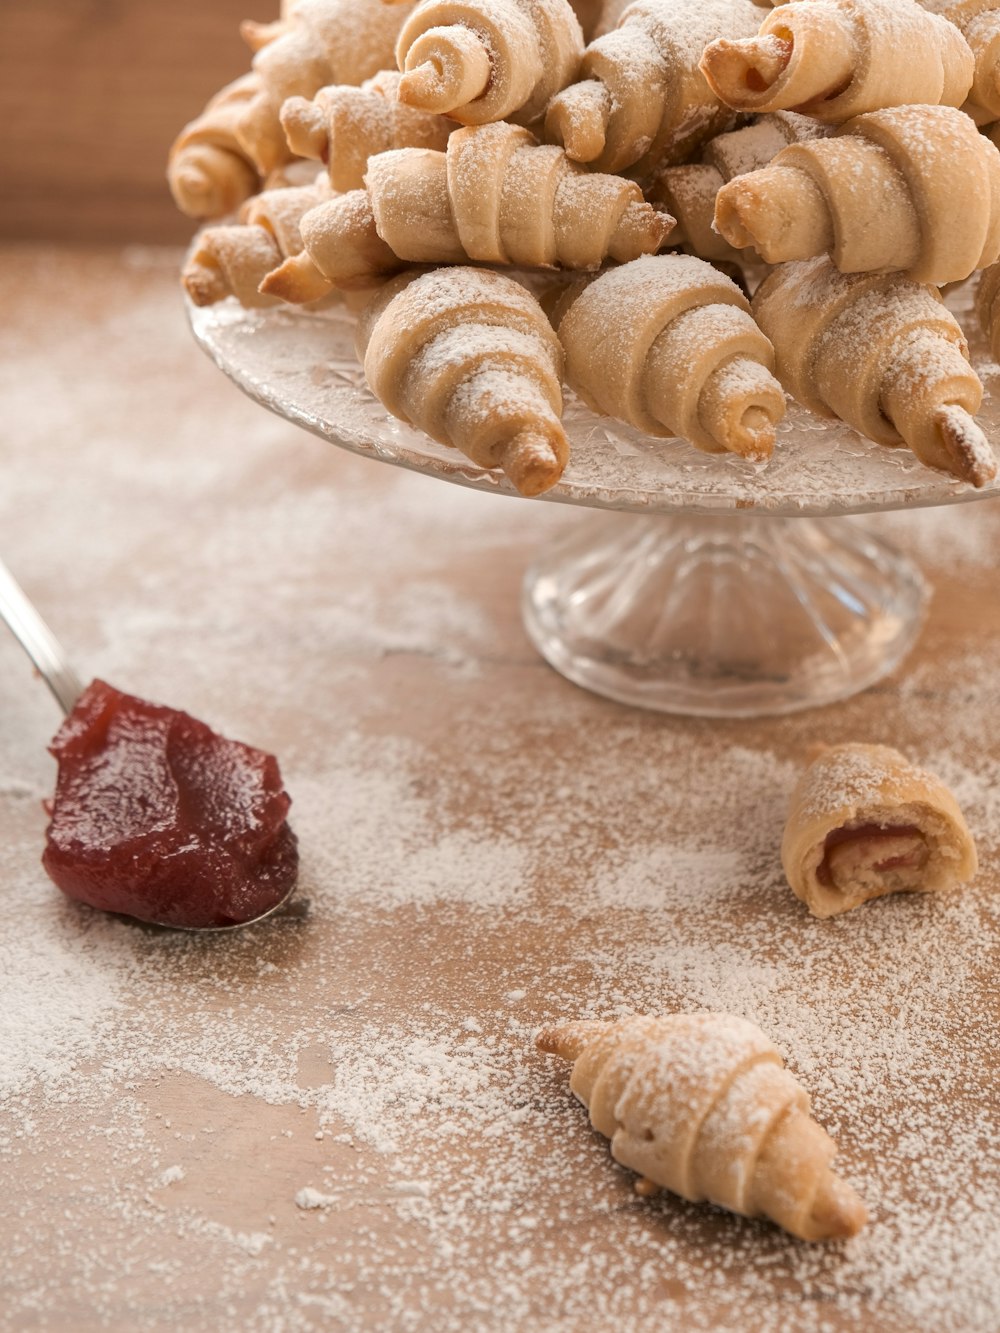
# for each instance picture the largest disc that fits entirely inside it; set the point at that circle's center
(301, 365)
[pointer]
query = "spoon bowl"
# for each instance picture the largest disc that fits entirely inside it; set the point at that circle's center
(53, 665)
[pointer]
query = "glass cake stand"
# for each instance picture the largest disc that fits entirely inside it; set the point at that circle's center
(733, 590)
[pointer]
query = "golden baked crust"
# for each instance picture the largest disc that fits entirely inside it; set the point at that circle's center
(640, 99)
(701, 1105)
(486, 60)
(834, 59)
(884, 355)
(495, 196)
(687, 358)
(865, 822)
(468, 356)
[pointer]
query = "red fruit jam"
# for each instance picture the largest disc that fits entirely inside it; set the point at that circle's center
(159, 818)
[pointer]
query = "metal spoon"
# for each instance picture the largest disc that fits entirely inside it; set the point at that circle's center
(53, 665)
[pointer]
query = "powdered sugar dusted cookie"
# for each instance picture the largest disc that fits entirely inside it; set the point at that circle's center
(865, 822)
(701, 1105)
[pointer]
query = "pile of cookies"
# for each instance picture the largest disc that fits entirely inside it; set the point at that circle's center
(836, 140)
(421, 158)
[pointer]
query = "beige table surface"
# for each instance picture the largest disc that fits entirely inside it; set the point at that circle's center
(340, 1120)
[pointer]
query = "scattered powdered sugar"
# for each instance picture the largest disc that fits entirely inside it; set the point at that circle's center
(382, 794)
(309, 1199)
(54, 1002)
(252, 1243)
(658, 48)
(853, 778)
(950, 542)
(682, 35)
(458, 1104)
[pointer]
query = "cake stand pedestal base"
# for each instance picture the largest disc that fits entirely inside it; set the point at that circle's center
(736, 616)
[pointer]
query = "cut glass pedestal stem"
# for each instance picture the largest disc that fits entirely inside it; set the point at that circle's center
(723, 617)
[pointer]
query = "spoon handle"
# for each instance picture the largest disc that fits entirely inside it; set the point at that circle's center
(38, 642)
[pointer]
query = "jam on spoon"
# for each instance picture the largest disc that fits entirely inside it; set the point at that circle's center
(158, 817)
(154, 815)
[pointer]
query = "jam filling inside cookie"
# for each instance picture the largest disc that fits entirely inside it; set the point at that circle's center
(873, 855)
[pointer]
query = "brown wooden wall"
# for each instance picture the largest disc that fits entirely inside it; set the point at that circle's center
(91, 94)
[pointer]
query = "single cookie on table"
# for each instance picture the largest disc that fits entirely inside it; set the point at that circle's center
(865, 822)
(701, 1105)
(834, 59)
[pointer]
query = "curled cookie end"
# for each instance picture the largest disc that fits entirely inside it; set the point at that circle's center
(569, 1040)
(204, 285)
(733, 201)
(445, 69)
(534, 462)
(194, 190)
(967, 447)
(838, 1211)
(755, 436)
(204, 282)
(552, 1041)
(305, 129)
(779, 210)
(742, 73)
(741, 406)
(578, 118)
(297, 281)
(642, 229)
(207, 181)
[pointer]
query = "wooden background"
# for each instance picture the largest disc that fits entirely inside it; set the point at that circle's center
(91, 94)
